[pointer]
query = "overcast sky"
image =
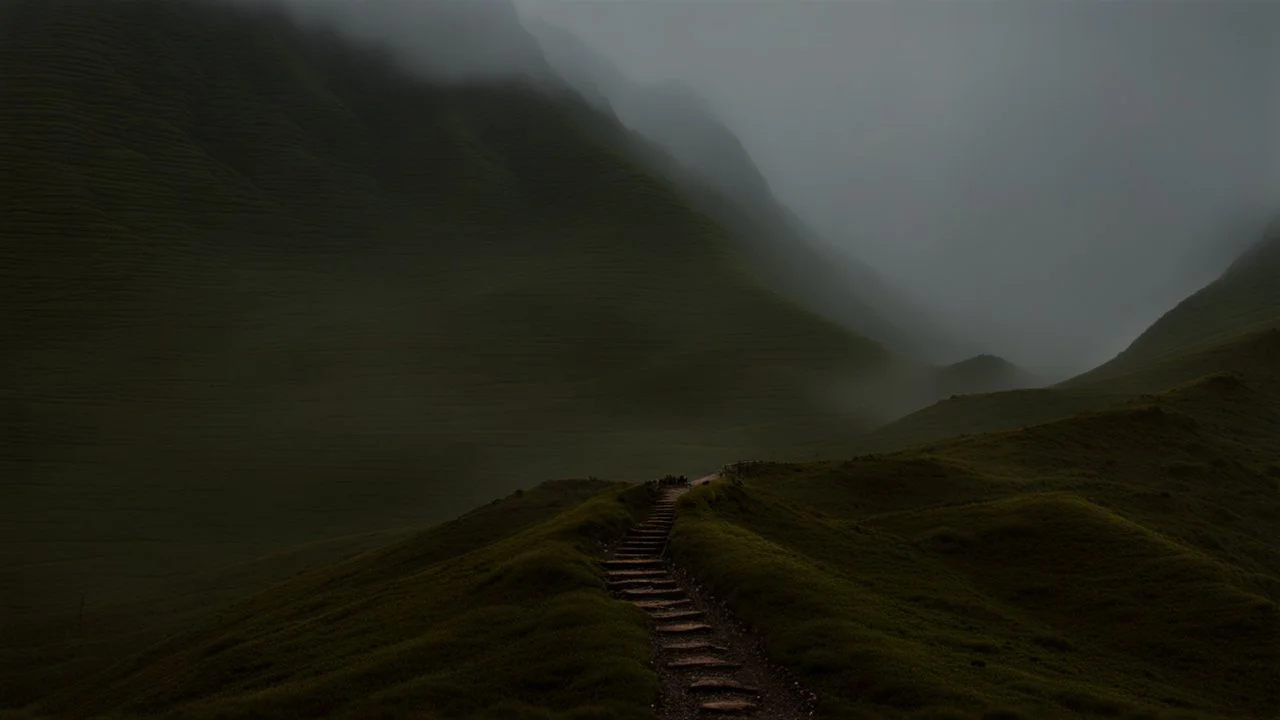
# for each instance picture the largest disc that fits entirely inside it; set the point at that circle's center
(1050, 176)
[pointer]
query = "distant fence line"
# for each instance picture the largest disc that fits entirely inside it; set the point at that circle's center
(745, 468)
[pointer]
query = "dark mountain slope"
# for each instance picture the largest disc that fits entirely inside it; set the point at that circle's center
(1246, 295)
(1235, 310)
(703, 154)
(263, 284)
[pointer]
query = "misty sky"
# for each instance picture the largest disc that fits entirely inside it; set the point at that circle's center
(1049, 176)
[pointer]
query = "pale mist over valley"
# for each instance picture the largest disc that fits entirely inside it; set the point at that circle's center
(1045, 178)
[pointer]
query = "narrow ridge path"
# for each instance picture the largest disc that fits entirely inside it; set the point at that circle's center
(707, 665)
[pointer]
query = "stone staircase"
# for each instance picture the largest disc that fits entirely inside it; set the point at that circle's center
(703, 670)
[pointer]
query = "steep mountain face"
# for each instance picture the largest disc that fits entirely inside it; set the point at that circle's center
(261, 283)
(1201, 335)
(698, 148)
(450, 40)
(1247, 295)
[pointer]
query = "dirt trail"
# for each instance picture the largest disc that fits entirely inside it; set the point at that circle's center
(707, 663)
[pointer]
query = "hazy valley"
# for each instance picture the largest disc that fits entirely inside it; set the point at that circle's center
(340, 337)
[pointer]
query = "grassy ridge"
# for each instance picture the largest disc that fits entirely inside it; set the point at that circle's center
(1245, 296)
(1246, 350)
(1178, 347)
(1043, 571)
(500, 613)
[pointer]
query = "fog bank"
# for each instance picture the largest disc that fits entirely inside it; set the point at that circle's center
(1050, 177)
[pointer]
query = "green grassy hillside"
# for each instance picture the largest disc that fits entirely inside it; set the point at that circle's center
(500, 613)
(1120, 563)
(1178, 347)
(1246, 296)
(263, 286)
(972, 414)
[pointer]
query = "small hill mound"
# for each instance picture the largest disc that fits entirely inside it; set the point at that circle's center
(981, 374)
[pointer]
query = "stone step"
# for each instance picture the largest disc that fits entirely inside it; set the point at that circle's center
(682, 628)
(612, 575)
(651, 593)
(639, 557)
(727, 707)
(702, 661)
(632, 563)
(630, 583)
(643, 583)
(676, 615)
(662, 604)
(702, 646)
(721, 684)
(663, 584)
